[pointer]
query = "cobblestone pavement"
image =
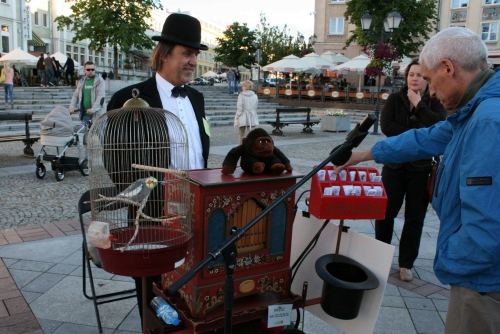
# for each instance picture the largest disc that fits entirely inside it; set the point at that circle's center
(27, 200)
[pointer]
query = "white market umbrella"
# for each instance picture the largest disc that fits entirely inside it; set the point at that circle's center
(355, 66)
(312, 70)
(209, 74)
(61, 58)
(289, 63)
(333, 57)
(315, 60)
(18, 56)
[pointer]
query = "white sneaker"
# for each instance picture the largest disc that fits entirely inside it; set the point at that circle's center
(405, 274)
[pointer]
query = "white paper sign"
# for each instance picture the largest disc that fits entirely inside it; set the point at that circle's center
(371, 253)
(279, 315)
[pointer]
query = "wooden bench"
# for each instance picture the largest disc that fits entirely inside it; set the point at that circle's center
(282, 121)
(27, 139)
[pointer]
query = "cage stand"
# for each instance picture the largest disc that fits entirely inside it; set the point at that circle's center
(353, 139)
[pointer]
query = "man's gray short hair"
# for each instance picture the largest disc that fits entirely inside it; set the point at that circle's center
(461, 46)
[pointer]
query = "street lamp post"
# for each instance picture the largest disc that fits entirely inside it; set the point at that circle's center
(390, 24)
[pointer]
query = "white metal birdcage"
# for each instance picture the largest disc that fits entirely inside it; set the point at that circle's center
(139, 180)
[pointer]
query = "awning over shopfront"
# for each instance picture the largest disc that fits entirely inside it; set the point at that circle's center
(35, 41)
(141, 54)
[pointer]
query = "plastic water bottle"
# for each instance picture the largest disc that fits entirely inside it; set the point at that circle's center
(165, 311)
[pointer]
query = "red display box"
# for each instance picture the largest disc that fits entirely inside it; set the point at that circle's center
(345, 206)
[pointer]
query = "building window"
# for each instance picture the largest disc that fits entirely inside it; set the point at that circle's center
(336, 25)
(5, 39)
(459, 3)
(489, 32)
(5, 1)
(491, 2)
(45, 18)
(337, 1)
(37, 18)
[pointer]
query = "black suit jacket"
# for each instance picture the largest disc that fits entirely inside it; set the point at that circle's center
(149, 92)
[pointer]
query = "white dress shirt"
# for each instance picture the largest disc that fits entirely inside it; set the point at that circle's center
(182, 108)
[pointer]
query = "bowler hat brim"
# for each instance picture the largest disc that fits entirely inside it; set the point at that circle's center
(173, 40)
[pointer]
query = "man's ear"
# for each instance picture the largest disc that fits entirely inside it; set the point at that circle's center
(448, 66)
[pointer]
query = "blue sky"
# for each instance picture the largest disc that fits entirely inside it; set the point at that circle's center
(294, 13)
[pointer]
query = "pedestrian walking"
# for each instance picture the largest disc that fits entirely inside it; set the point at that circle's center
(230, 80)
(50, 67)
(237, 78)
(40, 65)
(246, 111)
(8, 84)
(88, 94)
(69, 66)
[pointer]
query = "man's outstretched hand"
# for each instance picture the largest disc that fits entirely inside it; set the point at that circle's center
(355, 159)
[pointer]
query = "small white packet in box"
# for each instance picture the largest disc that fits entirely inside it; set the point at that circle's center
(362, 175)
(366, 188)
(343, 175)
(349, 190)
(371, 192)
(332, 175)
(328, 191)
(357, 190)
(321, 175)
(378, 190)
(352, 175)
(336, 190)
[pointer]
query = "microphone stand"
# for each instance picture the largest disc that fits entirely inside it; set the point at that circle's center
(228, 247)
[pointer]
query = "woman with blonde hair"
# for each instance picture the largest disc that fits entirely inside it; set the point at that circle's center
(246, 110)
(8, 85)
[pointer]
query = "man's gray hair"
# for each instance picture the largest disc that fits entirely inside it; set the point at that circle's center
(461, 46)
(160, 51)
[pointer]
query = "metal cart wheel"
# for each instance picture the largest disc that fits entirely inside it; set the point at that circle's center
(60, 174)
(84, 168)
(40, 171)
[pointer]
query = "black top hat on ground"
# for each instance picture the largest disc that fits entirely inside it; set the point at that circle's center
(181, 29)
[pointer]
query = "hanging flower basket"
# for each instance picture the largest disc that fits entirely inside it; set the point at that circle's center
(381, 55)
(382, 50)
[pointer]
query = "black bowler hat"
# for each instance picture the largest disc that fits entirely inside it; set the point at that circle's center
(181, 29)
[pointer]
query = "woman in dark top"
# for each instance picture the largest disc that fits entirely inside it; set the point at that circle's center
(408, 109)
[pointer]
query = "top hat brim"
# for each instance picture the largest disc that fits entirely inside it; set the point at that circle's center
(171, 39)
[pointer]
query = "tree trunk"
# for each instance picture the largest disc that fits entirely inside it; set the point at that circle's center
(115, 57)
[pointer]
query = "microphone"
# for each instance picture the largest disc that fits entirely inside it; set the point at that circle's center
(353, 139)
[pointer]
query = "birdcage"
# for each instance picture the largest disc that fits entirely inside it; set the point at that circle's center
(139, 180)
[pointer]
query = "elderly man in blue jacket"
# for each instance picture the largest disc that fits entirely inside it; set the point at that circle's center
(467, 185)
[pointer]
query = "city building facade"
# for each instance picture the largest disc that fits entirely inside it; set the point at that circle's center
(481, 16)
(29, 25)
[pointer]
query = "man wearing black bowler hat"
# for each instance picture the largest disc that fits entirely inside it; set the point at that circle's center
(174, 60)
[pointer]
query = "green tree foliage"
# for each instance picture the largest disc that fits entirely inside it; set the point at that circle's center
(236, 48)
(419, 18)
(116, 23)
(275, 43)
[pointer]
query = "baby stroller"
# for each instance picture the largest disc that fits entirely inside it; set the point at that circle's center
(57, 130)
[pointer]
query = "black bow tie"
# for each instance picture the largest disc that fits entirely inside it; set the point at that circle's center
(176, 91)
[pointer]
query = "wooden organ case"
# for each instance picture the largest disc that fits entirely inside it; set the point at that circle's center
(220, 202)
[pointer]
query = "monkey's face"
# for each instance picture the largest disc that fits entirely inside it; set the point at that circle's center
(263, 146)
